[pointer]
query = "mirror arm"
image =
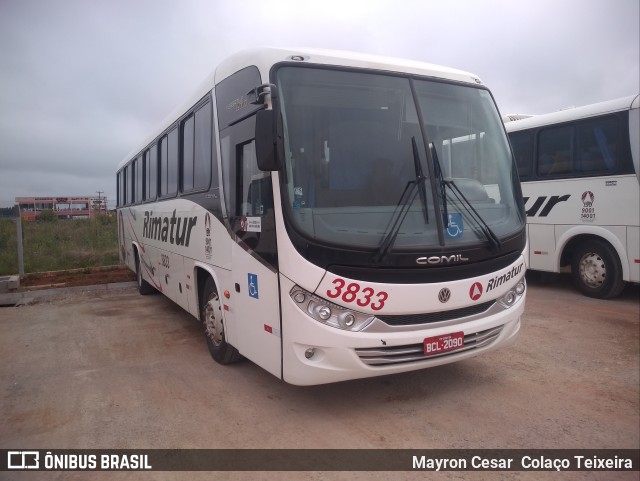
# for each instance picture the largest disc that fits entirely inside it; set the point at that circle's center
(261, 91)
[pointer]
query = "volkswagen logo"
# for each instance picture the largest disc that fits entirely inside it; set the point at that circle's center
(444, 295)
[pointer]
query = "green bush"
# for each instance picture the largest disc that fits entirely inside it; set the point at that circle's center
(60, 244)
(8, 247)
(47, 215)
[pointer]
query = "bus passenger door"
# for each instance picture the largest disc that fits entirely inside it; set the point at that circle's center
(254, 303)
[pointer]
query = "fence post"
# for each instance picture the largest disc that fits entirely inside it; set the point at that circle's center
(19, 241)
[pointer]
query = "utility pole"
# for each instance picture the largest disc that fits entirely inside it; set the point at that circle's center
(20, 245)
(99, 192)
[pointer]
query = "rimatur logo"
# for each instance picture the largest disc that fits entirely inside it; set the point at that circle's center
(588, 213)
(476, 291)
(23, 460)
(588, 198)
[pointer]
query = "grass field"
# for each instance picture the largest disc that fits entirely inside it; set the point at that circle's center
(59, 245)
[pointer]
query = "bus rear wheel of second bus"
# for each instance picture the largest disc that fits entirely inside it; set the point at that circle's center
(212, 320)
(596, 270)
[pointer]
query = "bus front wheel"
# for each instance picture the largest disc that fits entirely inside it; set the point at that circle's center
(596, 270)
(213, 322)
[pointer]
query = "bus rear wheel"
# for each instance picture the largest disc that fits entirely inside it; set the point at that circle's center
(596, 270)
(213, 322)
(144, 288)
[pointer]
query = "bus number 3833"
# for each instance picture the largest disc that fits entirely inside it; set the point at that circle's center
(350, 294)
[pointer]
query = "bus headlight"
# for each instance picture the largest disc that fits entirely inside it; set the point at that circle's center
(514, 294)
(323, 312)
(328, 313)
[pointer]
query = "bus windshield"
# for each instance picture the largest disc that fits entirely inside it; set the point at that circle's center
(358, 167)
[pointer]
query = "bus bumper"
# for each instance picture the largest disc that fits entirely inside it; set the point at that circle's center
(314, 353)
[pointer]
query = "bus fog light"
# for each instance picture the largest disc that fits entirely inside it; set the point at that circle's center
(309, 352)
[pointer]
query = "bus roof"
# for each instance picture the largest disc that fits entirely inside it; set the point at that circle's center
(624, 103)
(264, 58)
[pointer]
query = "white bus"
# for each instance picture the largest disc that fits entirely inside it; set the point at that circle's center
(304, 205)
(579, 170)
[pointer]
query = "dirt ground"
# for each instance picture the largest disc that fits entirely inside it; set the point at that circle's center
(78, 277)
(118, 370)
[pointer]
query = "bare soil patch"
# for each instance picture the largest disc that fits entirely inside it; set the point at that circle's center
(78, 277)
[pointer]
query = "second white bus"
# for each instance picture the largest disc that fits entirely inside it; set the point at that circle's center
(580, 170)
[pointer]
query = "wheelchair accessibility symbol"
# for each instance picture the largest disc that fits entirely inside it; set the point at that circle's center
(253, 285)
(454, 225)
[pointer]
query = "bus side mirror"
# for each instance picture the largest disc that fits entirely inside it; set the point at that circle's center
(266, 137)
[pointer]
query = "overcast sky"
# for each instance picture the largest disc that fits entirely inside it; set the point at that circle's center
(83, 81)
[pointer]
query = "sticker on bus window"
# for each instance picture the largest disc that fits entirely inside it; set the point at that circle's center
(454, 225)
(251, 224)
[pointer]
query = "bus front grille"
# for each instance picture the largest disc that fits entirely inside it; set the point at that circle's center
(382, 356)
(409, 319)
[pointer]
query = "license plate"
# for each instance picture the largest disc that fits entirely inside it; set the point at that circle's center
(447, 342)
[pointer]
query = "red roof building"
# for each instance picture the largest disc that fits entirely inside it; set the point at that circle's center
(86, 207)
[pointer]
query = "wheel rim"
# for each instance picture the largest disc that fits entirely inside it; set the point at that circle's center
(593, 270)
(213, 319)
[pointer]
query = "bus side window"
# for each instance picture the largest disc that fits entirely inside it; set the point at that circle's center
(597, 146)
(187, 154)
(172, 162)
(152, 172)
(555, 148)
(162, 190)
(132, 183)
(196, 149)
(523, 152)
(124, 186)
(202, 147)
(139, 180)
(253, 186)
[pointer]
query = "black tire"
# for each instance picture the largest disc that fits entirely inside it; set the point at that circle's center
(144, 288)
(213, 322)
(596, 270)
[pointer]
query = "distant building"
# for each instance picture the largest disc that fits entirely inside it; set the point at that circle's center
(86, 207)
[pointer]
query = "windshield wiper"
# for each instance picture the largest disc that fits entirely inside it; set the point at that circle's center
(404, 204)
(493, 239)
(442, 188)
(420, 178)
